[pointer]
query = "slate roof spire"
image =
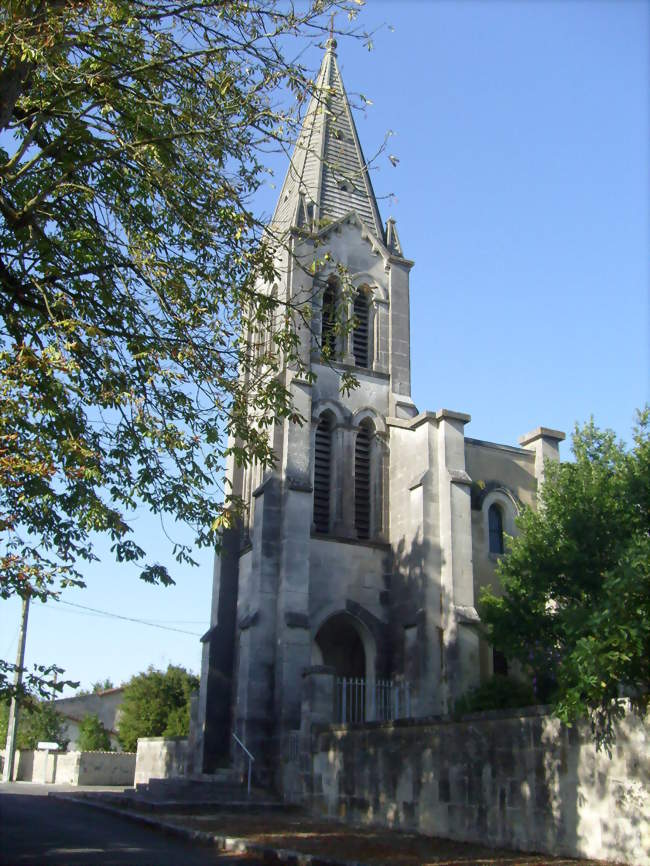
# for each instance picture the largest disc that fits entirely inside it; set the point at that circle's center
(328, 176)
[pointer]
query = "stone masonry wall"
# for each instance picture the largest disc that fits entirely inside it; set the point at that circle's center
(523, 781)
(160, 758)
(105, 768)
(74, 768)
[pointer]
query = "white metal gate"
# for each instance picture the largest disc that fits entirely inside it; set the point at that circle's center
(388, 700)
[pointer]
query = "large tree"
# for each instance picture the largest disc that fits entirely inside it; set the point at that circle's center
(575, 608)
(132, 136)
(156, 703)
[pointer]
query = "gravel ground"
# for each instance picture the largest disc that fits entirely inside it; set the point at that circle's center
(365, 845)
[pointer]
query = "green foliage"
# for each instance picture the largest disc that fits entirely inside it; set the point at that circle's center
(575, 609)
(132, 138)
(156, 703)
(497, 693)
(93, 736)
(37, 722)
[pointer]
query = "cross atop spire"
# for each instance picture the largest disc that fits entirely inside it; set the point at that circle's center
(328, 175)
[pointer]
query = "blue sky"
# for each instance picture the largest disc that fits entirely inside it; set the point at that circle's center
(521, 193)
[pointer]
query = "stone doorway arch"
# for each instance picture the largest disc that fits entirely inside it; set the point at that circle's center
(345, 644)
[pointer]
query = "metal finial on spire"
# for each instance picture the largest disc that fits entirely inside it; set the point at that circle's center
(331, 42)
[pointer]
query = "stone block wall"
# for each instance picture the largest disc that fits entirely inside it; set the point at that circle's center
(522, 781)
(160, 758)
(65, 766)
(105, 768)
(74, 768)
(23, 765)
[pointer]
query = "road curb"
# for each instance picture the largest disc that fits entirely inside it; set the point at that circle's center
(231, 844)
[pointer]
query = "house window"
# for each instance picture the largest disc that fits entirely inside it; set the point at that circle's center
(360, 334)
(495, 527)
(328, 319)
(322, 474)
(362, 483)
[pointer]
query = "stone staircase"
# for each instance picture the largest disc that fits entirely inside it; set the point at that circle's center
(221, 791)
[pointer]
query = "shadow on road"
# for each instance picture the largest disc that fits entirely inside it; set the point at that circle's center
(39, 830)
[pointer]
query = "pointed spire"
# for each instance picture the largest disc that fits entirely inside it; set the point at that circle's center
(327, 165)
(392, 238)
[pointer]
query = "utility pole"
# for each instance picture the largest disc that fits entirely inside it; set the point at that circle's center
(10, 749)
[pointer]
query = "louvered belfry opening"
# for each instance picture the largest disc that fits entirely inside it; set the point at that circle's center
(328, 319)
(322, 474)
(362, 483)
(360, 333)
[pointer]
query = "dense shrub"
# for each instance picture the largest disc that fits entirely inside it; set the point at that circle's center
(497, 693)
(93, 736)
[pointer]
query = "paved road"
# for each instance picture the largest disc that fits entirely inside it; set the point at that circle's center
(36, 830)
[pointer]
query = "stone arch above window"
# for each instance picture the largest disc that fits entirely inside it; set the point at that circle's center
(341, 414)
(371, 415)
(500, 508)
(376, 291)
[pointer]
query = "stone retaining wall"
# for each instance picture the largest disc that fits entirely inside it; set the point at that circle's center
(525, 781)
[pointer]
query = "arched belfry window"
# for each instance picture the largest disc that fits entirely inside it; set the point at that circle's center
(322, 474)
(360, 335)
(328, 318)
(362, 482)
(495, 528)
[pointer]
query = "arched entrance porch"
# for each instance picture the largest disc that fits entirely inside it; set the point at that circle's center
(345, 644)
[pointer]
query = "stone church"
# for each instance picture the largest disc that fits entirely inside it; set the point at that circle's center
(348, 593)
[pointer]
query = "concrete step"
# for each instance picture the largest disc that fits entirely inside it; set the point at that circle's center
(221, 780)
(172, 789)
(214, 791)
(184, 806)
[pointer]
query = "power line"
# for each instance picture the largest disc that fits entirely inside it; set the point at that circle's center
(127, 618)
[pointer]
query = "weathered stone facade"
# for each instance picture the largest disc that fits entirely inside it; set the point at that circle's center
(362, 552)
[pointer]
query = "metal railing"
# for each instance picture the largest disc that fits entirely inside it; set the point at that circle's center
(389, 700)
(250, 760)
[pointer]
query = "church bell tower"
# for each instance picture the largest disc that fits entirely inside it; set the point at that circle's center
(301, 587)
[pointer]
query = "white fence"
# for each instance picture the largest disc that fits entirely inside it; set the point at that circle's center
(355, 701)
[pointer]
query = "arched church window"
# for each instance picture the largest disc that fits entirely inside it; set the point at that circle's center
(362, 482)
(322, 474)
(495, 528)
(360, 334)
(328, 319)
